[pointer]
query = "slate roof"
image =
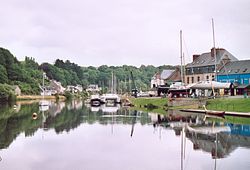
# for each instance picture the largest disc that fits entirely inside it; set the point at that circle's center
(206, 59)
(236, 67)
(166, 74)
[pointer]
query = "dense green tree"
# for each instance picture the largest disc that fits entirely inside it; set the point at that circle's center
(28, 74)
(3, 75)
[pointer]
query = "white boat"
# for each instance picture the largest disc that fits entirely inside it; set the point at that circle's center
(95, 100)
(110, 109)
(44, 105)
(110, 98)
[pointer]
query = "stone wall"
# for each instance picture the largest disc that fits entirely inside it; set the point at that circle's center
(195, 103)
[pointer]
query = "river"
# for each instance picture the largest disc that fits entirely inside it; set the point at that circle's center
(73, 135)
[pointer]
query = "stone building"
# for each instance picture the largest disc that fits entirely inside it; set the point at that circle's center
(203, 66)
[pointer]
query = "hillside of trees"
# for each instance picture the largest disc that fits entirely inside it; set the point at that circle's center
(27, 74)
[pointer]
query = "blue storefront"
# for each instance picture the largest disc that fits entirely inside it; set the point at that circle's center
(234, 78)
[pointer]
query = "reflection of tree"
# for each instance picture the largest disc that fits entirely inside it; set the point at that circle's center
(13, 123)
(66, 120)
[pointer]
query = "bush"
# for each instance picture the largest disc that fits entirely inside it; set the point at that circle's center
(68, 95)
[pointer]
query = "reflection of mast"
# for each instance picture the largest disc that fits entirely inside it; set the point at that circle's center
(133, 122)
(43, 122)
(183, 146)
(216, 143)
(215, 151)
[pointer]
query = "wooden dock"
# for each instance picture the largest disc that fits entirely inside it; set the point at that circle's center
(240, 114)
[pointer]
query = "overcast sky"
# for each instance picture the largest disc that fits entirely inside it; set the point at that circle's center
(117, 32)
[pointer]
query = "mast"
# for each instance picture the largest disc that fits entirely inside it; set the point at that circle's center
(181, 56)
(214, 51)
(43, 85)
(112, 83)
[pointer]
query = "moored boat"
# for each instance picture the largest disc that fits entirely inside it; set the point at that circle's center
(215, 113)
(95, 100)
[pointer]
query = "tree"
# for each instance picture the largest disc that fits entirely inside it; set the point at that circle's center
(3, 75)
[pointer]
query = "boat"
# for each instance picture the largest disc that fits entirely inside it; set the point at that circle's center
(214, 113)
(111, 97)
(95, 100)
(43, 104)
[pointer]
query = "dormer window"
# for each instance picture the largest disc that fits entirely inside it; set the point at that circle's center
(237, 70)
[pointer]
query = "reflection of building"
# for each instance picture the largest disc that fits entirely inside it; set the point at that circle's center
(56, 108)
(227, 142)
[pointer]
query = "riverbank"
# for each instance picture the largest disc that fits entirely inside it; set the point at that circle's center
(229, 104)
(159, 105)
(38, 97)
(152, 104)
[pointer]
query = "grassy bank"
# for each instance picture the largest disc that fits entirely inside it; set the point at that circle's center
(225, 104)
(157, 105)
(237, 105)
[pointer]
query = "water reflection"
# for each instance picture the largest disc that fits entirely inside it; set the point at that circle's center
(212, 136)
(180, 130)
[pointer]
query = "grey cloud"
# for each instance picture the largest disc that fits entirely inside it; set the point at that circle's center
(116, 32)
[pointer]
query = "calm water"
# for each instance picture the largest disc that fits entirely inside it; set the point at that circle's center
(74, 136)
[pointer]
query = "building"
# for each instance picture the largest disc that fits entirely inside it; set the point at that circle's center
(156, 80)
(203, 66)
(166, 78)
(238, 73)
(172, 78)
(93, 88)
(17, 90)
(75, 89)
(56, 87)
(162, 81)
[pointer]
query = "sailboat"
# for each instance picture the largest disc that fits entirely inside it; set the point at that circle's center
(180, 89)
(43, 104)
(112, 97)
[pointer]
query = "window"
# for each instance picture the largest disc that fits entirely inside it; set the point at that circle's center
(192, 79)
(244, 70)
(187, 80)
(213, 78)
(237, 70)
(207, 78)
(198, 78)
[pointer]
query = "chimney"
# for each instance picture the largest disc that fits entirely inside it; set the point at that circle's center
(195, 56)
(212, 51)
(218, 50)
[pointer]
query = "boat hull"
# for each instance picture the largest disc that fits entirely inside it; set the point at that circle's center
(215, 113)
